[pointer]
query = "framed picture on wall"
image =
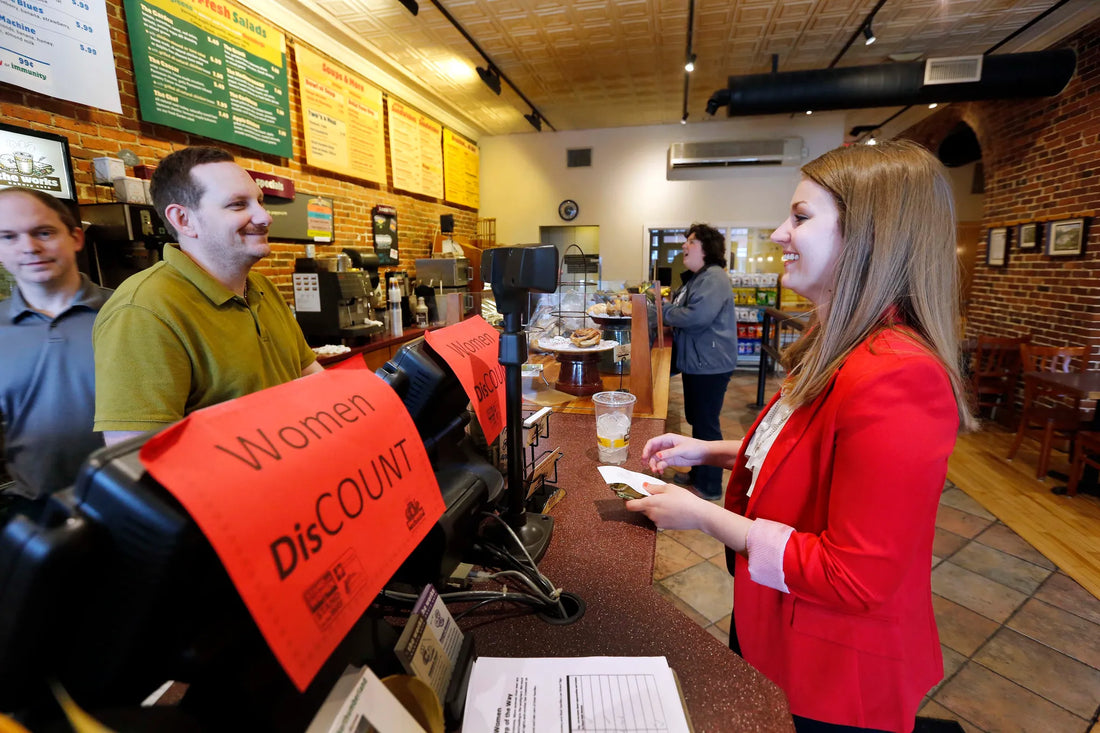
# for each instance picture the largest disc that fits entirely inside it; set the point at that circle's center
(1066, 238)
(1027, 235)
(997, 253)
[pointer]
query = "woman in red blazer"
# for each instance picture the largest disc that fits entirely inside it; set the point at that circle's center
(830, 512)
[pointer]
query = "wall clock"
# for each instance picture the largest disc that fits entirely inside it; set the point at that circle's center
(568, 209)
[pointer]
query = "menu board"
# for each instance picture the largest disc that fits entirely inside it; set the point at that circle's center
(207, 67)
(460, 171)
(342, 116)
(61, 48)
(416, 151)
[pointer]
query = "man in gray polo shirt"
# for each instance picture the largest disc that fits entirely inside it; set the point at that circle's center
(47, 387)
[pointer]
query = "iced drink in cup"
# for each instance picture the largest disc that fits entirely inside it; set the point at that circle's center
(613, 413)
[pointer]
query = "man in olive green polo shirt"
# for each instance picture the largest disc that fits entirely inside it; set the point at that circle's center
(197, 328)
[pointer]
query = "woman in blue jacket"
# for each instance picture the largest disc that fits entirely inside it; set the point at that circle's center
(704, 330)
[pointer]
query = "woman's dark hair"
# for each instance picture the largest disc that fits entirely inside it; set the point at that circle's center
(714, 244)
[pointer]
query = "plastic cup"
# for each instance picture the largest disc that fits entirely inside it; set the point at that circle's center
(614, 411)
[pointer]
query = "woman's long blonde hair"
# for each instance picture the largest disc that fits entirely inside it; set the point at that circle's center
(897, 220)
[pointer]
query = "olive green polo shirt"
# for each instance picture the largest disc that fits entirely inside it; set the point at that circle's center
(172, 340)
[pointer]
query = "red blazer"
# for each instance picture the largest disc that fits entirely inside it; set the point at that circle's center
(858, 473)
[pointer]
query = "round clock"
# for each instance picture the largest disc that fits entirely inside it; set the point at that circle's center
(568, 209)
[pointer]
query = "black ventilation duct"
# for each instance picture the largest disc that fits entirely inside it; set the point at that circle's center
(1005, 76)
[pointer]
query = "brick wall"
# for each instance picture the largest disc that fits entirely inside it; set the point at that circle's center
(1042, 162)
(93, 133)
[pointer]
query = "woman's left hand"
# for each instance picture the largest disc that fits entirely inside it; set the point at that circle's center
(671, 507)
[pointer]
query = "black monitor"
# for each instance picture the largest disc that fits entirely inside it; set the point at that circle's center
(114, 589)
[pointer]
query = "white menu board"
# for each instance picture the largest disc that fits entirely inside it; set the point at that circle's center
(61, 48)
(416, 151)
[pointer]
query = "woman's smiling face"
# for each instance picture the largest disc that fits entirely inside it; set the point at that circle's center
(811, 241)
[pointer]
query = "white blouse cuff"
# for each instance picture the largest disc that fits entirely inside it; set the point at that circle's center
(765, 544)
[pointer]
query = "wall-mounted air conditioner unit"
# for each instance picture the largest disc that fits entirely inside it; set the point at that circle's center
(729, 153)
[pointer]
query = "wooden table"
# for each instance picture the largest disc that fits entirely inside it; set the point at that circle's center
(1077, 385)
(1085, 385)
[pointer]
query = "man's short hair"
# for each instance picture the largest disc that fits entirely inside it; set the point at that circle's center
(68, 218)
(172, 182)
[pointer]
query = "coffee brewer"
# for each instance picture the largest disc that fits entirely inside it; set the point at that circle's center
(120, 240)
(334, 307)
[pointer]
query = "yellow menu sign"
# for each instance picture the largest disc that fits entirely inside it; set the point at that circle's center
(460, 170)
(342, 116)
(416, 152)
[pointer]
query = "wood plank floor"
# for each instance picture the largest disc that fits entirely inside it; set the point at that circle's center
(1065, 529)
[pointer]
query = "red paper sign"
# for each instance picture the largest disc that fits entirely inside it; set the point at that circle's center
(312, 493)
(472, 349)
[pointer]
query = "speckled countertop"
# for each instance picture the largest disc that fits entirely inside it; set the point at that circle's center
(604, 554)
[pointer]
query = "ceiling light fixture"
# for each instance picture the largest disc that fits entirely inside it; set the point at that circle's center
(933, 105)
(864, 28)
(809, 111)
(490, 73)
(690, 65)
(684, 119)
(412, 5)
(491, 78)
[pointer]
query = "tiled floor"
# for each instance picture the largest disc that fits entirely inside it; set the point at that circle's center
(1021, 640)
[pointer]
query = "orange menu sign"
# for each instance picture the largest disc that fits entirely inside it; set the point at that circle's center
(308, 501)
(472, 349)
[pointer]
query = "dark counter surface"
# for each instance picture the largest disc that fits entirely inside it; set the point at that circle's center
(604, 554)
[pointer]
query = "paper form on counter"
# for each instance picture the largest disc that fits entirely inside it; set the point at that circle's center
(573, 694)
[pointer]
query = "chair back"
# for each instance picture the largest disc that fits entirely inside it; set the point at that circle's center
(998, 356)
(1053, 358)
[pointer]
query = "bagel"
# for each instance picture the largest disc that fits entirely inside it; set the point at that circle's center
(585, 337)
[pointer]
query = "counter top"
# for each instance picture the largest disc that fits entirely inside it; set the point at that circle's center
(604, 554)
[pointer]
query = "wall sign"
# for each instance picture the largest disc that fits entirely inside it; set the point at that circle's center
(460, 170)
(207, 67)
(416, 151)
(384, 228)
(62, 49)
(273, 186)
(38, 160)
(341, 118)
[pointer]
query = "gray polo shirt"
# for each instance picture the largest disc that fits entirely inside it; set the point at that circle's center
(47, 390)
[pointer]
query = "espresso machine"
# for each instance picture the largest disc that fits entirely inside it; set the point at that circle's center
(334, 307)
(120, 240)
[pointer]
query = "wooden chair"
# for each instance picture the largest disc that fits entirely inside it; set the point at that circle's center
(1049, 419)
(996, 371)
(1086, 452)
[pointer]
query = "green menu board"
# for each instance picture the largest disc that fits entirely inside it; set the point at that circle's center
(210, 68)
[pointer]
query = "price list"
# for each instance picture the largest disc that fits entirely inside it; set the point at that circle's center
(61, 48)
(460, 170)
(211, 69)
(416, 151)
(342, 116)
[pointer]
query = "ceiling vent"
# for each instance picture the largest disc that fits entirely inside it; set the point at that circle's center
(730, 153)
(953, 70)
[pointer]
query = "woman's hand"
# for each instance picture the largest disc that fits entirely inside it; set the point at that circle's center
(672, 449)
(671, 507)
